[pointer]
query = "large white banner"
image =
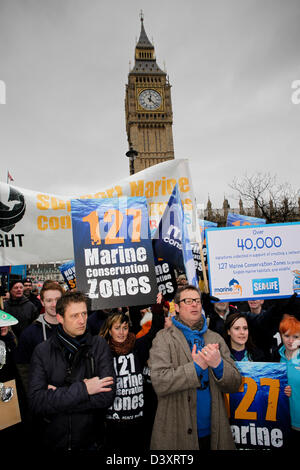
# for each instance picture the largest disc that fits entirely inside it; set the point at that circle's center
(36, 227)
(261, 261)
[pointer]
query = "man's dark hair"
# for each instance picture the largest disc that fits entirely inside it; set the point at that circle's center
(70, 298)
(182, 289)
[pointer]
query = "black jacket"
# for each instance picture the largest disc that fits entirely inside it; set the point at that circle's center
(30, 337)
(72, 418)
(23, 310)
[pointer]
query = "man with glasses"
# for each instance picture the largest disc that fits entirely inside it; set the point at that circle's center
(191, 369)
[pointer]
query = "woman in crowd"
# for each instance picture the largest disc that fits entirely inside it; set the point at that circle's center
(238, 339)
(289, 353)
(125, 425)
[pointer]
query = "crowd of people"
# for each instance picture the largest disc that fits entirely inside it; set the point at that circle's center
(140, 378)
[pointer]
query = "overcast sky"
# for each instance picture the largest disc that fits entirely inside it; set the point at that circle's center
(231, 64)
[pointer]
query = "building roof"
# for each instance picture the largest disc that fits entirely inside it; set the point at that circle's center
(143, 41)
(145, 65)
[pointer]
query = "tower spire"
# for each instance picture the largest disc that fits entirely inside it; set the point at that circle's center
(143, 41)
(145, 61)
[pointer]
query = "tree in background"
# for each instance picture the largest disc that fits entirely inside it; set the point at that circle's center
(271, 200)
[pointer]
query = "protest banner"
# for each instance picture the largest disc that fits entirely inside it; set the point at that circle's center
(260, 262)
(238, 220)
(9, 405)
(259, 412)
(204, 224)
(113, 251)
(69, 274)
(165, 278)
(200, 253)
(171, 240)
(35, 227)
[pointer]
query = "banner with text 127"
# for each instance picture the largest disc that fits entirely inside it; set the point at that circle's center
(259, 411)
(113, 251)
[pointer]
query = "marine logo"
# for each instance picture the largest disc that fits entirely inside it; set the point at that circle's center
(12, 208)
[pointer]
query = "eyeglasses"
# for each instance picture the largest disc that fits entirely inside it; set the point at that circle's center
(190, 301)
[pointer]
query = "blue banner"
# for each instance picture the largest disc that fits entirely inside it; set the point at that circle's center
(68, 273)
(171, 241)
(237, 220)
(204, 224)
(113, 251)
(259, 411)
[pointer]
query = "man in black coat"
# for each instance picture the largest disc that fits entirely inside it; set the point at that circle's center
(20, 307)
(71, 380)
(28, 292)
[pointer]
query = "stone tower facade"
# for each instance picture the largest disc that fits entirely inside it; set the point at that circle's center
(148, 108)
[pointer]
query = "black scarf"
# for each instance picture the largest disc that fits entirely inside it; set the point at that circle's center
(76, 350)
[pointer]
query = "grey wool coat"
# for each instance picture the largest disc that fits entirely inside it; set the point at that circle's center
(175, 382)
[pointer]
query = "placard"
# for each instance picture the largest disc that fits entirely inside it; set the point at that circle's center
(166, 279)
(113, 252)
(9, 410)
(259, 412)
(254, 262)
(68, 273)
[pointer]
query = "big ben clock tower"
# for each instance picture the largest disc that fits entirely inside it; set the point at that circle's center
(148, 108)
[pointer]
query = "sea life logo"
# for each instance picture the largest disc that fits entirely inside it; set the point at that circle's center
(268, 285)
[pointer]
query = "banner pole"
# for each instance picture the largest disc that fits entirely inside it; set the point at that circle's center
(206, 288)
(198, 235)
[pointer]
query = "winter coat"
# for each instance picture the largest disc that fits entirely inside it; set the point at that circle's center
(23, 310)
(293, 375)
(71, 416)
(175, 382)
(30, 337)
(33, 335)
(255, 356)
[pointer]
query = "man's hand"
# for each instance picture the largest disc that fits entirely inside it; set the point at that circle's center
(198, 358)
(209, 356)
(159, 298)
(51, 387)
(97, 385)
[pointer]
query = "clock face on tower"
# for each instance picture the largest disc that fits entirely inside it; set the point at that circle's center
(150, 99)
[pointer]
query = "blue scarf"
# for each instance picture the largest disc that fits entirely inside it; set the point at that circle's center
(195, 336)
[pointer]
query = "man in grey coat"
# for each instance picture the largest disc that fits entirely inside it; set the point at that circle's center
(191, 369)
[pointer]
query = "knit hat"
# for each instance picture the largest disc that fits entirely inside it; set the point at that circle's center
(6, 319)
(15, 281)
